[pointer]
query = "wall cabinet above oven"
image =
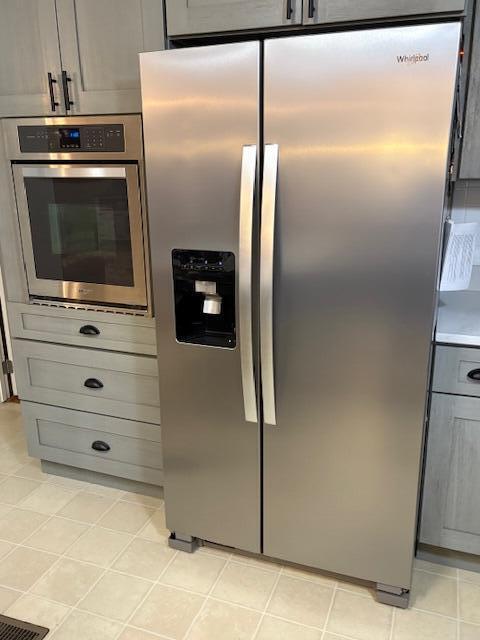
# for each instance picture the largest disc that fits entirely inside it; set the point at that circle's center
(61, 57)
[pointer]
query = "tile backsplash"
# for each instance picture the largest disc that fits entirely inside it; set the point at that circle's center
(466, 208)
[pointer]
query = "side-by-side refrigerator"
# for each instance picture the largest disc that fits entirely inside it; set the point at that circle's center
(296, 190)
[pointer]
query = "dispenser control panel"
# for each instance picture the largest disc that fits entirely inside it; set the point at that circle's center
(204, 286)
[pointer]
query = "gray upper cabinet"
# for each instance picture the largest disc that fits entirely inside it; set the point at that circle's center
(470, 157)
(321, 11)
(186, 17)
(100, 41)
(451, 500)
(29, 50)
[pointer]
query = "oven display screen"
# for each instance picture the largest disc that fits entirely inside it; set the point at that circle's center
(69, 138)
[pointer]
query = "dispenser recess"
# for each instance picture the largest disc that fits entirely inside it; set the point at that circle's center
(204, 287)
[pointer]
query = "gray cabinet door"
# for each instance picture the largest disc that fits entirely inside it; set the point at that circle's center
(470, 156)
(110, 331)
(28, 52)
(350, 10)
(112, 384)
(451, 500)
(205, 16)
(67, 437)
(100, 41)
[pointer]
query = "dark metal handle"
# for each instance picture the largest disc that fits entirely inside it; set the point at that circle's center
(93, 383)
(66, 96)
(99, 445)
(51, 82)
(474, 375)
(89, 330)
(311, 8)
(289, 9)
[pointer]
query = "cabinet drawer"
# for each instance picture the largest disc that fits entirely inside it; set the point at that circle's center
(99, 330)
(455, 371)
(66, 436)
(451, 500)
(113, 384)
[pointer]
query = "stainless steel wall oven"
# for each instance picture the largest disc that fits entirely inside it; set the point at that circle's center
(80, 202)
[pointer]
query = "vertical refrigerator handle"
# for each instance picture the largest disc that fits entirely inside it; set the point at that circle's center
(267, 249)
(247, 197)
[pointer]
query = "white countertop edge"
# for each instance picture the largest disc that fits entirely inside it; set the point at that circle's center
(458, 338)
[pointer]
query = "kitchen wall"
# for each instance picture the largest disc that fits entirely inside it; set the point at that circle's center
(466, 208)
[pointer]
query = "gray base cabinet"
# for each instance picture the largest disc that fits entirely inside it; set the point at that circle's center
(91, 329)
(451, 499)
(131, 449)
(112, 384)
(186, 17)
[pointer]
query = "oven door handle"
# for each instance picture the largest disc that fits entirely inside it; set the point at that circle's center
(74, 172)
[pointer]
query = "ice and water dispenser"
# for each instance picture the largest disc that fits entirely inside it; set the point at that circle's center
(204, 286)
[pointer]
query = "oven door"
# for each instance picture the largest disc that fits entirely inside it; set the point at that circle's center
(82, 232)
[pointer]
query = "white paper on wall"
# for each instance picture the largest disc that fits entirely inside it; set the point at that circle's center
(459, 254)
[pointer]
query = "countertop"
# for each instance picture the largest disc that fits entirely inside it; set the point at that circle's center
(459, 318)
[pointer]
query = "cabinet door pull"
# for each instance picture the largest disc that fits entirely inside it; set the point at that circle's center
(99, 445)
(474, 375)
(289, 9)
(311, 8)
(93, 383)
(51, 82)
(89, 330)
(66, 95)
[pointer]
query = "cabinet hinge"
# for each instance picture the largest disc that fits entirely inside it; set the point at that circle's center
(7, 366)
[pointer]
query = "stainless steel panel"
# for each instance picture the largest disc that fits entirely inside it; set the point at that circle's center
(92, 292)
(132, 131)
(62, 171)
(363, 139)
(200, 109)
(270, 172)
(245, 242)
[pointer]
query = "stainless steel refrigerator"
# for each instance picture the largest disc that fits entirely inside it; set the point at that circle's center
(296, 190)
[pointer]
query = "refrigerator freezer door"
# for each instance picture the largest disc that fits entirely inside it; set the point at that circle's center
(362, 120)
(200, 109)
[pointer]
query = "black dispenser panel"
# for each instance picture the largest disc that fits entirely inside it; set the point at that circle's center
(204, 286)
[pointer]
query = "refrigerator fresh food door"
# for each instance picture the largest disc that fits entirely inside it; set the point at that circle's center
(200, 110)
(362, 123)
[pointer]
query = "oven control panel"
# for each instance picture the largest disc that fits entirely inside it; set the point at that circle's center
(78, 139)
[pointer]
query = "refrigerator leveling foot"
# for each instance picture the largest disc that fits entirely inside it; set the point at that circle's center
(181, 542)
(394, 596)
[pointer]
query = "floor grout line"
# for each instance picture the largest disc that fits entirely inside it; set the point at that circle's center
(207, 597)
(330, 608)
(147, 594)
(267, 604)
(458, 605)
(392, 624)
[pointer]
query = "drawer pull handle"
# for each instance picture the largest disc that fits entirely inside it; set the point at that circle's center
(89, 330)
(99, 445)
(93, 383)
(474, 375)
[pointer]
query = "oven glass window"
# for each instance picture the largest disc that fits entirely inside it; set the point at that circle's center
(80, 229)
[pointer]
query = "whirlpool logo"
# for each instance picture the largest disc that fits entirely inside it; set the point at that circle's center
(414, 58)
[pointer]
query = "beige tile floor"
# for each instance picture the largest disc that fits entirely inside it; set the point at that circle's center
(92, 563)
